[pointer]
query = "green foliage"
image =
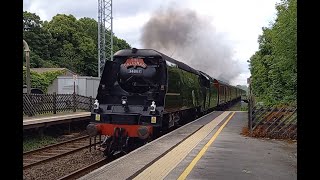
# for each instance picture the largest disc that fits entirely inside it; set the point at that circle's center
(244, 107)
(274, 66)
(43, 80)
(37, 62)
(65, 42)
(119, 44)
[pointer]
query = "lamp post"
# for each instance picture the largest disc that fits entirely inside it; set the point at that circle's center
(74, 83)
(27, 50)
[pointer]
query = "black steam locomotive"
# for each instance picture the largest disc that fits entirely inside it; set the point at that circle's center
(143, 92)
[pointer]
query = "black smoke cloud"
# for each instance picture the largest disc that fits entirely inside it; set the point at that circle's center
(189, 38)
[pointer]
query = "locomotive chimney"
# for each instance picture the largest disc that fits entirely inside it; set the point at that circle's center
(134, 50)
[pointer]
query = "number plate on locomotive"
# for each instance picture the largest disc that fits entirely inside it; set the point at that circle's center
(97, 117)
(135, 71)
(153, 120)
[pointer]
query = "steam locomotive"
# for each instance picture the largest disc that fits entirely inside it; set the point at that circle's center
(143, 92)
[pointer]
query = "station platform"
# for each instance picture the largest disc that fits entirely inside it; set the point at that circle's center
(210, 147)
(45, 121)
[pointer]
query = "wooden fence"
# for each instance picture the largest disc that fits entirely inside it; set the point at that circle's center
(34, 104)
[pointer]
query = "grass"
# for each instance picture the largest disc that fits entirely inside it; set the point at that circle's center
(244, 107)
(32, 143)
(239, 106)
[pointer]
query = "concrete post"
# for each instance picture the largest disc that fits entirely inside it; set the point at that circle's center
(27, 50)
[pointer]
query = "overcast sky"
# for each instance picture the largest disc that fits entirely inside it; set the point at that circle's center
(238, 22)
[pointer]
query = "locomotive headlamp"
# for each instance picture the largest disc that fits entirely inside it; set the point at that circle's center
(153, 106)
(96, 104)
(124, 103)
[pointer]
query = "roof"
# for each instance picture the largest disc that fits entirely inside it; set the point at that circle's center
(43, 70)
(221, 82)
(206, 75)
(152, 52)
(79, 77)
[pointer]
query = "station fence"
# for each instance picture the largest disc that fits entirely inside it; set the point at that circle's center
(272, 122)
(34, 104)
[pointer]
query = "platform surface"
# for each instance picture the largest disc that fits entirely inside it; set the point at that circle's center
(230, 156)
(31, 122)
(233, 156)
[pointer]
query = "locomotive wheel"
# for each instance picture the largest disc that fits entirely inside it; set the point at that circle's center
(110, 150)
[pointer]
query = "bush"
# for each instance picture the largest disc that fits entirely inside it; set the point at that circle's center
(43, 80)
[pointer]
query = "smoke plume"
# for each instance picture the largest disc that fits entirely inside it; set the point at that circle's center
(191, 39)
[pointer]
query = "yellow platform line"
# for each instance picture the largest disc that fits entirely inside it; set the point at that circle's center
(203, 150)
(161, 168)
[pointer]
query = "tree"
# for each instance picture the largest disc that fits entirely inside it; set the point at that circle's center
(119, 44)
(274, 65)
(65, 42)
(37, 38)
(285, 50)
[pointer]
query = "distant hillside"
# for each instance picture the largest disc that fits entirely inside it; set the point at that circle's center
(244, 87)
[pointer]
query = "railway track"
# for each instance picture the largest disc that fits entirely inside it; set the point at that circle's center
(52, 152)
(45, 154)
(80, 172)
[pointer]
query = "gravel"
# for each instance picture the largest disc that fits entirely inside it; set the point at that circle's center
(62, 166)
